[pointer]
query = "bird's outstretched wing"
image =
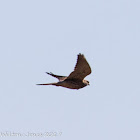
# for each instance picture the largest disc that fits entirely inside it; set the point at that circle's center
(60, 78)
(81, 70)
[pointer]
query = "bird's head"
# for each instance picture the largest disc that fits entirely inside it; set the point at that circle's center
(86, 82)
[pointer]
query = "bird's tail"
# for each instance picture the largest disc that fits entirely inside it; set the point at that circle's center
(48, 84)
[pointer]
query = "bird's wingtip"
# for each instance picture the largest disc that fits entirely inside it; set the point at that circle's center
(80, 54)
(49, 73)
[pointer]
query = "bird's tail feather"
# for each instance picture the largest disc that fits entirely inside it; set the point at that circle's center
(48, 84)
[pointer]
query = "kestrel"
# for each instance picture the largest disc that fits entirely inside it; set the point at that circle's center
(76, 78)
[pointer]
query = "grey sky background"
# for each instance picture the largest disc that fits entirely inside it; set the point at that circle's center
(46, 36)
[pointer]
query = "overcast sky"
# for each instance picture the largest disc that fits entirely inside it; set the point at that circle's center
(46, 36)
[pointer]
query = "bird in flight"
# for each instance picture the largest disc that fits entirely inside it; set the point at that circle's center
(76, 78)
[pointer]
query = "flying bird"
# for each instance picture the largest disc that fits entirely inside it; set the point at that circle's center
(76, 78)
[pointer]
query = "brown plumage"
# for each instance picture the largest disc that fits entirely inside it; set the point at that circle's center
(76, 78)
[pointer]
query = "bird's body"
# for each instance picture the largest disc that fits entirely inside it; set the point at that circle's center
(76, 78)
(72, 84)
